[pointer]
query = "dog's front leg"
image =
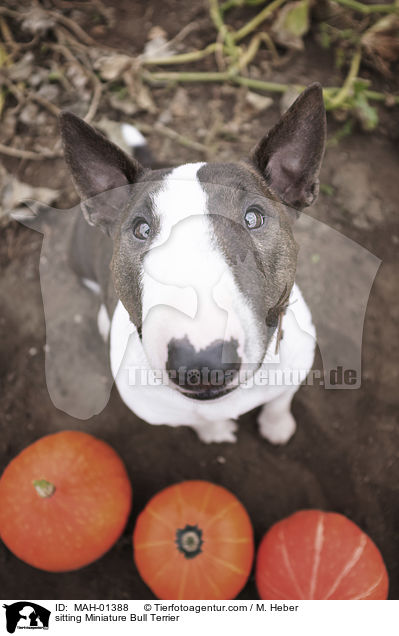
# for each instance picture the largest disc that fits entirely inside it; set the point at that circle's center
(216, 431)
(276, 422)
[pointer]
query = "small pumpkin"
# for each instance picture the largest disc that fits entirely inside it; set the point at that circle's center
(194, 540)
(319, 555)
(64, 501)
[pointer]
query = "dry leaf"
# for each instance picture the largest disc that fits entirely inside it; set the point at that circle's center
(381, 42)
(157, 45)
(13, 192)
(179, 106)
(23, 69)
(156, 32)
(124, 105)
(139, 93)
(37, 21)
(111, 67)
(258, 102)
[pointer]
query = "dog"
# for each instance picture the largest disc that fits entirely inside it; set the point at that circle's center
(196, 266)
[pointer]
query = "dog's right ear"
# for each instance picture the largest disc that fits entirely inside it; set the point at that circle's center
(290, 155)
(97, 165)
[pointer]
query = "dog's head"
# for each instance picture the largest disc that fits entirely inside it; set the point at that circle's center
(204, 257)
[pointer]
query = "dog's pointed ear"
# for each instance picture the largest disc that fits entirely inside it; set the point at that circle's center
(290, 155)
(97, 166)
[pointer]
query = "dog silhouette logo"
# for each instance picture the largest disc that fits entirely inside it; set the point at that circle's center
(26, 615)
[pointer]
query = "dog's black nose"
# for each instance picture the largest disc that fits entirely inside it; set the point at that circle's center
(204, 374)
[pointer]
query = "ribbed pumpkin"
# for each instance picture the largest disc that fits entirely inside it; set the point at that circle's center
(194, 540)
(319, 555)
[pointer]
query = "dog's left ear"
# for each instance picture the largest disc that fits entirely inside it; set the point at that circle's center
(290, 155)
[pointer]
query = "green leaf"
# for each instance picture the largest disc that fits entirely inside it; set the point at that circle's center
(326, 188)
(367, 114)
(291, 24)
(360, 84)
(325, 39)
(297, 18)
(339, 58)
(54, 76)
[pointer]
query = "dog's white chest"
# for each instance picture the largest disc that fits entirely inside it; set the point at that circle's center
(146, 393)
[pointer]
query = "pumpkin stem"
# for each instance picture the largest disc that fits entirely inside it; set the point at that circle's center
(44, 488)
(189, 541)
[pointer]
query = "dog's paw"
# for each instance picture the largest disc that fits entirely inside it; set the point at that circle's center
(276, 428)
(222, 431)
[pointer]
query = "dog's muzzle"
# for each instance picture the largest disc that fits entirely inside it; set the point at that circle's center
(206, 374)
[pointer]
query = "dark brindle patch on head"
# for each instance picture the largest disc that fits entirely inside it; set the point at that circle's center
(263, 260)
(129, 252)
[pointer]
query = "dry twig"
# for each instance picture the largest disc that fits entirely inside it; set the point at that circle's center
(28, 154)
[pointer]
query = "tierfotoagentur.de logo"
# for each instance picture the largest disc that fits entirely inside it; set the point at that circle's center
(26, 615)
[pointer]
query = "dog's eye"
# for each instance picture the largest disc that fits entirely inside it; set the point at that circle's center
(253, 218)
(141, 229)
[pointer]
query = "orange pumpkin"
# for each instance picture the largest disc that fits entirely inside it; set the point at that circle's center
(194, 540)
(64, 501)
(319, 555)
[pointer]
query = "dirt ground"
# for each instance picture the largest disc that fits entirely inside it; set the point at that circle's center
(345, 454)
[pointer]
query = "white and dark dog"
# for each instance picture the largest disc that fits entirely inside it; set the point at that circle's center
(196, 267)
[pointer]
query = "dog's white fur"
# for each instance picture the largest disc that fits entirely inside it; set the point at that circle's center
(187, 285)
(213, 420)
